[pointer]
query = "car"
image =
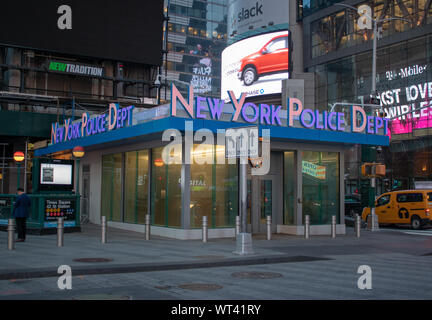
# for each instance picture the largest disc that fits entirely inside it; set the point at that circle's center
(412, 207)
(353, 205)
(271, 58)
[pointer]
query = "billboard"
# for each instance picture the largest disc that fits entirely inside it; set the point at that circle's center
(128, 31)
(257, 65)
(250, 16)
(406, 98)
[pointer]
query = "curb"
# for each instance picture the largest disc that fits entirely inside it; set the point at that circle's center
(149, 267)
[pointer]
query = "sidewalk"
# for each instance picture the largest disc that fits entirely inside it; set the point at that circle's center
(129, 252)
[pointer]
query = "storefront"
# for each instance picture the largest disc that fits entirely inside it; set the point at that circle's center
(125, 173)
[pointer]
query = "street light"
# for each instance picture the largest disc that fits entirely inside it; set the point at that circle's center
(19, 157)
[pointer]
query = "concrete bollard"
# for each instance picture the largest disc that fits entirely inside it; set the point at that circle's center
(11, 234)
(237, 225)
(60, 232)
(358, 225)
(307, 227)
(104, 229)
(269, 223)
(204, 229)
(147, 227)
(333, 227)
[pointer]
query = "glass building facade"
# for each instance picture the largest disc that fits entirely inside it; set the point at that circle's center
(195, 38)
(340, 56)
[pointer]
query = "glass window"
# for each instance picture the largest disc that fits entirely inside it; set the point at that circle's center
(321, 186)
(409, 197)
(289, 186)
(383, 200)
(112, 187)
(166, 191)
(213, 188)
(429, 195)
(136, 186)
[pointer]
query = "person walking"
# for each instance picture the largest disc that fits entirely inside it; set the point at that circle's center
(21, 212)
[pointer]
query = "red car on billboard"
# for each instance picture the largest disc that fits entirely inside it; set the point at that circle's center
(273, 57)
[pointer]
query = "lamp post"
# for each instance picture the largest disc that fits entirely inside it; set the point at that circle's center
(19, 157)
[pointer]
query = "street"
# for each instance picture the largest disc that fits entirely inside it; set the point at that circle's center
(399, 260)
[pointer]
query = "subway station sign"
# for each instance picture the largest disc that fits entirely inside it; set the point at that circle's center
(87, 126)
(265, 114)
(76, 68)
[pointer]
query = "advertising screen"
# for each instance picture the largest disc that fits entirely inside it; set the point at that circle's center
(257, 65)
(56, 175)
(115, 30)
(250, 16)
(406, 97)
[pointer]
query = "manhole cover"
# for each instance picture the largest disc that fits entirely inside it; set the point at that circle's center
(92, 260)
(200, 286)
(256, 275)
(103, 297)
(210, 256)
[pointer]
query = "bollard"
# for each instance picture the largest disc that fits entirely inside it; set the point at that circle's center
(60, 231)
(358, 225)
(104, 229)
(237, 225)
(147, 227)
(11, 234)
(307, 227)
(269, 222)
(333, 227)
(204, 229)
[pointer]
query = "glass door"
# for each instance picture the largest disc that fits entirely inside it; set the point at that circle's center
(262, 203)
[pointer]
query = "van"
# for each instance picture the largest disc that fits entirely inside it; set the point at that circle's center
(403, 207)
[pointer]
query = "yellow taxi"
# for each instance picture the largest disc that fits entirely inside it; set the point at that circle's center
(412, 207)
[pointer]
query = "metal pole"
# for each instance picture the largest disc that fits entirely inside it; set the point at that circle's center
(269, 223)
(307, 227)
(25, 166)
(375, 33)
(104, 229)
(358, 225)
(237, 225)
(11, 234)
(147, 227)
(19, 174)
(60, 232)
(3, 166)
(243, 188)
(333, 227)
(204, 229)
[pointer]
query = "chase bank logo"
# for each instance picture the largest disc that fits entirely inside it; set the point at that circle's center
(262, 91)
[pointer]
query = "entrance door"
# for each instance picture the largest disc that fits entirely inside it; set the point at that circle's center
(262, 203)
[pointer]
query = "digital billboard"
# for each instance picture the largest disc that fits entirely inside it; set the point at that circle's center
(257, 65)
(248, 17)
(129, 31)
(56, 175)
(406, 98)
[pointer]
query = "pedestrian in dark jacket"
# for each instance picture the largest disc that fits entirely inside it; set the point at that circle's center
(21, 212)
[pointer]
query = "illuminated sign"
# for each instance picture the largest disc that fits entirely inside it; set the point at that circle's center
(116, 118)
(265, 114)
(409, 106)
(74, 68)
(256, 65)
